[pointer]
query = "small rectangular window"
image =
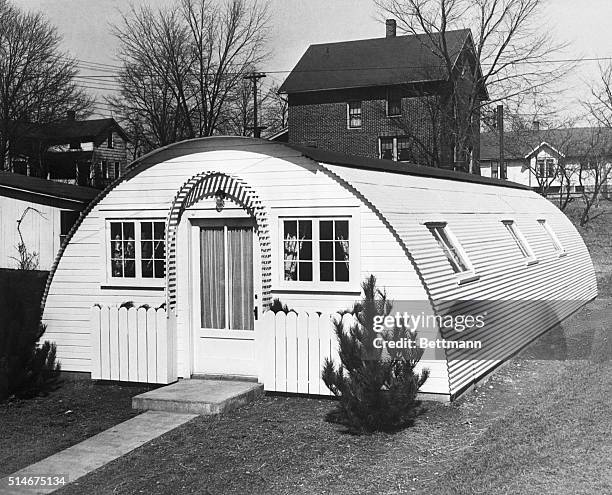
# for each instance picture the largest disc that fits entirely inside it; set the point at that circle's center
(386, 148)
(519, 239)
(110, 143)
(117, 169)
(450, 246)
(123, 250)
(152, 249)
(404, 149)
(67, 219)
(495, 170)
(354, 114)
(554, 240)
(394, 103)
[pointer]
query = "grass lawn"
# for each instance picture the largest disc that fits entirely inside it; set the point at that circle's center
(31, 430)
(534, 427)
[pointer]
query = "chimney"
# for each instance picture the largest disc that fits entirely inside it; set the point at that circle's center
(536, 125)
(71, 115)
(390, 28)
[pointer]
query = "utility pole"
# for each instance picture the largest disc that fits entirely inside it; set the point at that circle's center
(500, 129)
(255, 76)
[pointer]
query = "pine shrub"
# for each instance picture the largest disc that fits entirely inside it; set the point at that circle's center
(376, 388)
(27, 368)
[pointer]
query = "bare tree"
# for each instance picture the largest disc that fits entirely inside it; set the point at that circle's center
(183, 65)
(275, 108)
(36, 78)
(507, 40)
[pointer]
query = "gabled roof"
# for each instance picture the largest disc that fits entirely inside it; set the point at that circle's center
(372, 62)
(569, 142)
(64, 131)
(43, 191)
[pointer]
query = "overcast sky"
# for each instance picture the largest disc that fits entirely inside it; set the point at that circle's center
(85, 26)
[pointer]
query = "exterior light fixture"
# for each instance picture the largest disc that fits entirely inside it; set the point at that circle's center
(219, 200)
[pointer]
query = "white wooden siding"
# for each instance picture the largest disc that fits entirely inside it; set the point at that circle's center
(40, 232)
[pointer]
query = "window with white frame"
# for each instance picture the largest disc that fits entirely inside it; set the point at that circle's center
(554, 240)
(450, 246)
(386, 148)
(137, 249)
(545, 167)
(519, 240)
(316, 250)
(354, 114)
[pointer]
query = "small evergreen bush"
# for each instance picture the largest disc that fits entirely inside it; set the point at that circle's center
(376, 388)
(27, 369)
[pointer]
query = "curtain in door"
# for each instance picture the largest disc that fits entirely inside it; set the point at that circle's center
(212, 277)
(240, 277)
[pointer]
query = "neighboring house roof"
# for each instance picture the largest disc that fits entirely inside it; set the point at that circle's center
(568, 142)
(372, 62)
(42, 191)
(65, 131)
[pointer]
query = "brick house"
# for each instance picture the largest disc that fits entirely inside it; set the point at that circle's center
(82, 152)
(383, 98)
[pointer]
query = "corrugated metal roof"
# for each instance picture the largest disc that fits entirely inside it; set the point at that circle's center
(372, 62)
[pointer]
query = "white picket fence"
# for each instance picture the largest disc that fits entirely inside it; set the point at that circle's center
(292, 348)
(131, 345)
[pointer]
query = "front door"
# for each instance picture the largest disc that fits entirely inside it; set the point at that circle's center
(224, 337)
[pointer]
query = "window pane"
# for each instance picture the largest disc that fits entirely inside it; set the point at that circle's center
(342, 273)
(146, 230)
(128, 230)
(290, 228)
(128, 250)
(146, 249)
(290, 270)
(160, 269)
(117, 268)
(160, 250)
(326, 230)
(386, 148)
(458, 264)
(115, 230)
(341, 251)
(159, 231)
(130, 269)
(342, 230)
(327, 272)
(147, 269)
(305, 272)
(305, 250)
(305, 227)
(326, 251)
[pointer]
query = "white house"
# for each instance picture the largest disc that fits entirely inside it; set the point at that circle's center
(47, 211)
(551, 159)
(202, 235)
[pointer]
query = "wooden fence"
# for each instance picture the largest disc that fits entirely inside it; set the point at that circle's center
(131, 344)
(292, 348)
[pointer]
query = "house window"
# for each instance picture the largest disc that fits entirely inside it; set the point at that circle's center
(354, 114)
(110, 143)
(450, 246)
(386, 148)
(545, 168)
(316, 250)
(396, 148)
(495, 170)
(137, 249)
(404, 149)
(519, 240)
(117, 169)
(67, 219)
(394, 103)
(554, 240)
(105, 170)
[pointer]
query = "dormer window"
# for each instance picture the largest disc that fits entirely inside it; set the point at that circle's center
(545, 168)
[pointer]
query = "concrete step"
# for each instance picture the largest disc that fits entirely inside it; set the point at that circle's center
(204, 397)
